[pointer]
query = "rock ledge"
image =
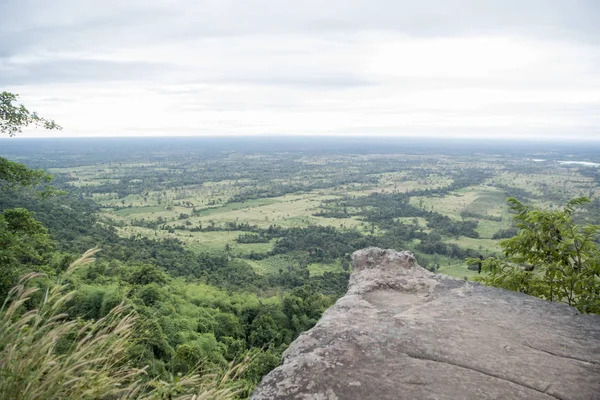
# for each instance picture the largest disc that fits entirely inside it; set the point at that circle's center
(402, 332)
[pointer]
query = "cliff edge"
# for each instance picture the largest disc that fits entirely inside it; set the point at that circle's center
(402, 332)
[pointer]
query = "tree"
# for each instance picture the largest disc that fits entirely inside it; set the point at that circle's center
(24, 242)
(264, 331)
(44, 354)
(550, 257)
(12, 120)
(146, 274)
(14, 117)
(13, 174)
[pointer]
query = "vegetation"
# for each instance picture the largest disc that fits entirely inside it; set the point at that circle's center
(14, 117)
(550, 257)
(216, 254)
(43, 354)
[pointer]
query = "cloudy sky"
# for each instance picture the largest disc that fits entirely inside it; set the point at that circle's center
(501, 68)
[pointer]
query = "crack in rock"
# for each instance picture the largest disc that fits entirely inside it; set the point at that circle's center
(404, 333)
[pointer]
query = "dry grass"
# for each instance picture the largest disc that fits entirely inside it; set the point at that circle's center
(45, 355)
(196, 386)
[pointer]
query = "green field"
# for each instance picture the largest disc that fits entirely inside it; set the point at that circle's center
(317, 269)
(457, 271)
(309, 191)
(282, 262)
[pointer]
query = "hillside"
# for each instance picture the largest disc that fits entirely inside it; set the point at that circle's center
(183, 185)
(226, 251)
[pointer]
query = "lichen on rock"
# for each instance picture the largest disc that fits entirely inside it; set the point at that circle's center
(402, 332)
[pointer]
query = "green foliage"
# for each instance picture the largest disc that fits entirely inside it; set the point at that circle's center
(550, 257)
(322, 243)
(505, 233)
(183, 325)
(265, 332)
(13, 174)
(93, 302)
(146, 274)
(205, 352)
(228, 325)
(261, 362)
(252, 238)
(92, 367)
(14, 117)
(24, 244)
(150, 294)
(216, 271)
(43, 354)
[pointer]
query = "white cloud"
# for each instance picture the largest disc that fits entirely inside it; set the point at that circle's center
(356, 67)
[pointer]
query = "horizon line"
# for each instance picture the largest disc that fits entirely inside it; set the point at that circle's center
(318, 136)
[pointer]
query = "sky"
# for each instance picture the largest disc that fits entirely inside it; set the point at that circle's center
(515, 69)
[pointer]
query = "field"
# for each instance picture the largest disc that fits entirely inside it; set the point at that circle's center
(243, 202)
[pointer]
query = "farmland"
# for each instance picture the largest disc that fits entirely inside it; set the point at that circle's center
(208, 200)
(230, 248)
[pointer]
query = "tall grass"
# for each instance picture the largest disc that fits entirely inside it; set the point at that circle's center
(46, 355)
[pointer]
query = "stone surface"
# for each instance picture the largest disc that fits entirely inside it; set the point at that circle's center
(402, 332)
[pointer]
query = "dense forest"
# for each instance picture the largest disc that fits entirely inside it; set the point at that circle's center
(219, 253)
(194, 308)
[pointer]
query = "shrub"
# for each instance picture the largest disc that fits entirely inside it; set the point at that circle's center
(45, 355)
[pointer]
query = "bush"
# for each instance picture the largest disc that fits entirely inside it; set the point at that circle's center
(45, 355)
(550, 257)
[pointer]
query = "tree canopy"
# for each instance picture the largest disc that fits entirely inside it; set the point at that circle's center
(13, 117)
(551, 257)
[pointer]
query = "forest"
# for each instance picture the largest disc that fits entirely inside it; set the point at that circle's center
(227, 249)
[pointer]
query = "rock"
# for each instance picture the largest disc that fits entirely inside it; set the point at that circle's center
(402, 332)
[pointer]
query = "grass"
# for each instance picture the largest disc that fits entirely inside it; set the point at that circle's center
(560, 181)
(487, 246)
(448, 266)
(202, 241)
(272, 265)
(209, 241)
(31, 365)
(210, 199)
(257, 266)
(457, 271)
(318, 269)
(410, 220)
(478, 200)
(44, 355)
(238, 206)
(487, 228)
(282, 211)
(489, 201)
(139, 210)
(286, 211)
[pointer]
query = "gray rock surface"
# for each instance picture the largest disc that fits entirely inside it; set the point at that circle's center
(402, 332)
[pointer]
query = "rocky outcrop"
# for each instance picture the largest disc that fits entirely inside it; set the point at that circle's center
(402, 332)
